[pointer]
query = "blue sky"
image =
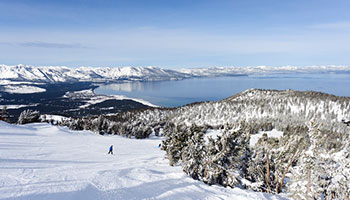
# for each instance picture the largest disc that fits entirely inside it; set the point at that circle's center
(174, 34)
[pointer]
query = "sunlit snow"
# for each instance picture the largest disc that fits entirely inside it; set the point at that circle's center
(22, 89)
(40, 161)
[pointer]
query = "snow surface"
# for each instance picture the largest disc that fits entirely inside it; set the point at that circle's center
(8, 82)
(101, 98)
(213, 133)
(273, 133)
(40, 161)
(92, 98)
(22, 89)
(17, 106)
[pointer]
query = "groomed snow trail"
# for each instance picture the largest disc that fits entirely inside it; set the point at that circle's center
(40, 161)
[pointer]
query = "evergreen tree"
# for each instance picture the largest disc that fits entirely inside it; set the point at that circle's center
(226, 158)
(310, 176)
(262, 166)
(28, 116)
(4, 114)
(339, 187)
(175, 143)
(193, 154)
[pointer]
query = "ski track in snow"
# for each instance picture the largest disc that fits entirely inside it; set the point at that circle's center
(40, 161)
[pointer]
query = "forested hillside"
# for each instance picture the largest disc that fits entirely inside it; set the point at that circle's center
(311, 159)
(259, 108)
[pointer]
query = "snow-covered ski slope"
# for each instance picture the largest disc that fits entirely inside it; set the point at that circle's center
(40, 161)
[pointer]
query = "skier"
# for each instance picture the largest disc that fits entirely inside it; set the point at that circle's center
(159, 145)
(110, 150)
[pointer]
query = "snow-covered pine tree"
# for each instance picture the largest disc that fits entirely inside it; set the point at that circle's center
(210, 151)
(99, 124)
(175, 142)
(311, 177)
(28, 116)
(225, 162)
(193, 154)
(262, 167)
(285, 156)
(271, 160)
(339, 187)
(4, 115)
(78, 124)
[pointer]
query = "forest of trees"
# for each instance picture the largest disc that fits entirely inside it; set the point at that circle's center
(306, 162)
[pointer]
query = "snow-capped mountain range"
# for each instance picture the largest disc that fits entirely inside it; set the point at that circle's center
(263, 70)
(54, 74)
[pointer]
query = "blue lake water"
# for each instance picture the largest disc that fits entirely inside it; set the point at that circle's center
(177, 93)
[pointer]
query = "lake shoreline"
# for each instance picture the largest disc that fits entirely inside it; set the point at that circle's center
(182, 92)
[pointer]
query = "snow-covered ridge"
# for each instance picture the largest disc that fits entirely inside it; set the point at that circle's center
(52, 74)
(291, 106)
(260, 108)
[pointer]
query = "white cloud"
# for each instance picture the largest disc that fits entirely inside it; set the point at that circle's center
(149, 45)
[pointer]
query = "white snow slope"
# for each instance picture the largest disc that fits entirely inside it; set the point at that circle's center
(40, 161)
